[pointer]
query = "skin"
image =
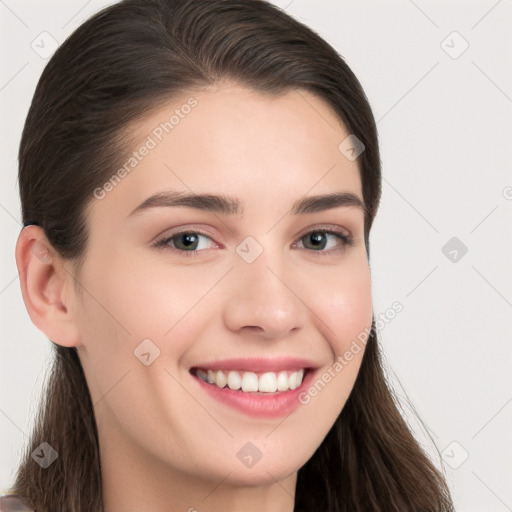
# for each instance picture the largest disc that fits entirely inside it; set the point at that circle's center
(164, 445)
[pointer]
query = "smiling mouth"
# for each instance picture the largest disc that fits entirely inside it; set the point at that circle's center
(263, 383)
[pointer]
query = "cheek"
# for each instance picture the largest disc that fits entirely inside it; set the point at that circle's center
(136, 307)
(342, 312)
(145, 298)
(345, 304)
(345, 318)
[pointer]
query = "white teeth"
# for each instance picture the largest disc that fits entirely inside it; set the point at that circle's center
(221, 379)
(282, 381)
(292, 382)
(268, 382)
(249, 381)
(234, 380)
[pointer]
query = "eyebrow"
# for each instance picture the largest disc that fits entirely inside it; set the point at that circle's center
(229, 205)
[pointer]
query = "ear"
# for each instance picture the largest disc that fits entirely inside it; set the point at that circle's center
(46, 287)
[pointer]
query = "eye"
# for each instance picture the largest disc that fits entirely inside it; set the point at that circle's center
(189, 242)
(318, 239)
(185, 241)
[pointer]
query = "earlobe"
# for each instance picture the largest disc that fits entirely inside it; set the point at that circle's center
(45, 287)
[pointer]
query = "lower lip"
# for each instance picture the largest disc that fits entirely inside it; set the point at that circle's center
(260, 405)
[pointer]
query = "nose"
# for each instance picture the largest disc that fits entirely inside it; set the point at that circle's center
(265, 299)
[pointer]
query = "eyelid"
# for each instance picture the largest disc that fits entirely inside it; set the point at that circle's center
(161, 240)
(329, 228)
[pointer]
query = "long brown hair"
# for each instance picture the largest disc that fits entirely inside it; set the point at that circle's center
(115, 68)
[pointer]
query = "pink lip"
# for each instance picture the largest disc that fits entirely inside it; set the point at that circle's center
(260, 405)
(258, 364)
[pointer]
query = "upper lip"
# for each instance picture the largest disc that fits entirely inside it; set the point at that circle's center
(258, 364)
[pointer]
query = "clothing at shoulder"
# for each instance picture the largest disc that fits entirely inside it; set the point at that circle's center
(14, 503)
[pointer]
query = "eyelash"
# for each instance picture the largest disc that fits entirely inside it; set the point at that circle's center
(346, 240)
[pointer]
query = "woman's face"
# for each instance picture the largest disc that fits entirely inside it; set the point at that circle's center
(276, 289)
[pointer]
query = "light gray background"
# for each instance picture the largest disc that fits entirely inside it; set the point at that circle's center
(444, 123)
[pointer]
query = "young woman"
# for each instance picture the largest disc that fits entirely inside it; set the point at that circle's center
(198, 181)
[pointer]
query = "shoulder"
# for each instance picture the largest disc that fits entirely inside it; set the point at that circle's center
(14, 503)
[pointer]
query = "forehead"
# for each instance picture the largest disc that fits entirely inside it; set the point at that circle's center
(266, 150)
